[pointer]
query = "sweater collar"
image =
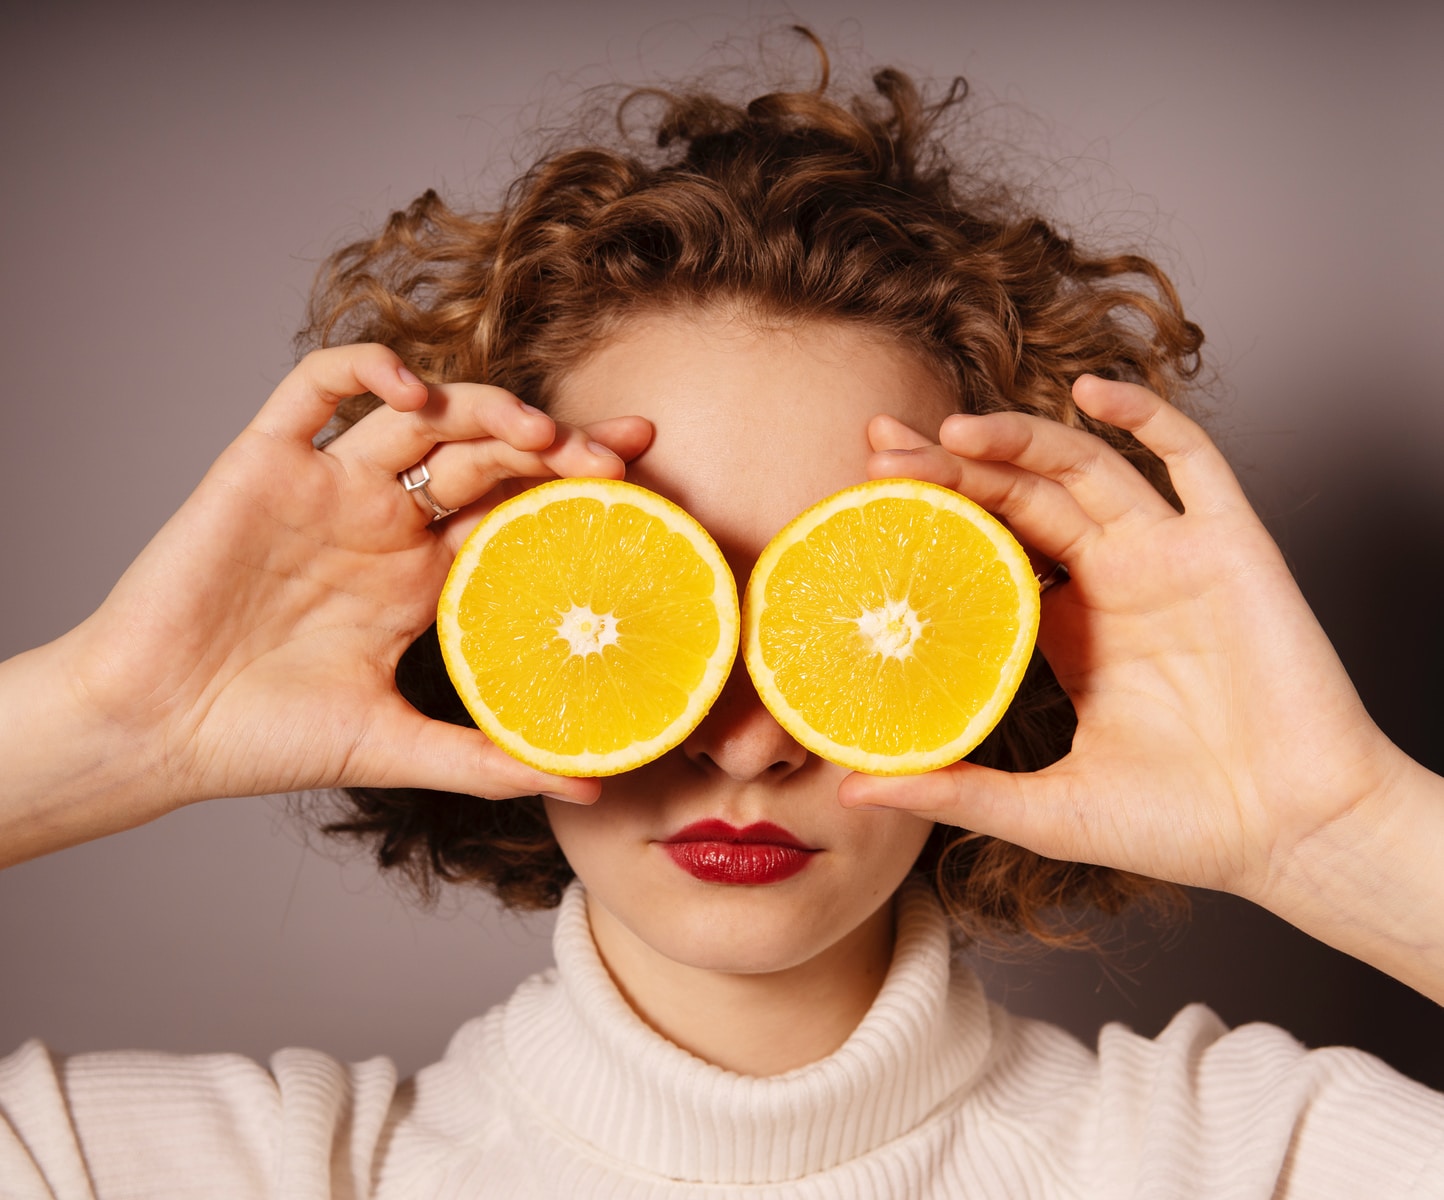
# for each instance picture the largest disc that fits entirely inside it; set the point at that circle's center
(606, 1078)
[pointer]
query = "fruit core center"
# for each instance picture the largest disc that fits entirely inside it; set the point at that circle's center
(891, 629)
(586, 632)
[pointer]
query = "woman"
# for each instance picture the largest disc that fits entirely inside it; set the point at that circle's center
(792, 296)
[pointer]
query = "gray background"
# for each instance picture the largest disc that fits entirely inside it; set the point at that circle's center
(173, 174)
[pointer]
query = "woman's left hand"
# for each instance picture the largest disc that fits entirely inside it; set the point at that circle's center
(1220, 742)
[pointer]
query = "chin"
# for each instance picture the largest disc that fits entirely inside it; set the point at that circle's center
(743, 951)
(746, 930)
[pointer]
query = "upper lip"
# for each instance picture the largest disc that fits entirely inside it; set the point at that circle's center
(715, 830)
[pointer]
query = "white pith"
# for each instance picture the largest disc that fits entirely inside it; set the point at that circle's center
(891, 629)
(586, 632)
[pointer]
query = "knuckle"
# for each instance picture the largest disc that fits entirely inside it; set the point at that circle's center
(1017, 493)
(365, 354)
(481, 395)
(1077, 471)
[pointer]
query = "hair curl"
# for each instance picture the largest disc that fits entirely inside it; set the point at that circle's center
(797, 208)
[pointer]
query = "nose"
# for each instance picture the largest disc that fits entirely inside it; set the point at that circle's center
(742, 740)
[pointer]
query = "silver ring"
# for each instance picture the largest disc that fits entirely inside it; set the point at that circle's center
(1059, 574)
(414, 480)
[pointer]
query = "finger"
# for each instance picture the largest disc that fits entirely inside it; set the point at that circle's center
(306, 399)
(1106, 485)
(388, 442)
(1019, 808)
(626, 437)
(1200, 473)
(463, 472)
(886, 432)
(406, 749)
(1043, 515)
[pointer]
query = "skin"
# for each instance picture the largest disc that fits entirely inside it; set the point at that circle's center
(251, 649)
(757, 979)
(1220, 742)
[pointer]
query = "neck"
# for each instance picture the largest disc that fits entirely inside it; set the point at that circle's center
(762, 1023)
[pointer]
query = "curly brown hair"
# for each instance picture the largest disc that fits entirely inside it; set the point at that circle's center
(798, 208)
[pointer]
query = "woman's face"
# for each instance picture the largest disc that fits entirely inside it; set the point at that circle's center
(753, 425)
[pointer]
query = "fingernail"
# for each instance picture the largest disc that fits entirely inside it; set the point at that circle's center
(871, 808)
(559, 796)
(906, 453)
(602, 451)
(530, 408)
(407, 376)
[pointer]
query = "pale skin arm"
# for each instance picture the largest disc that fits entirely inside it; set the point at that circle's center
(1220, 743)
(251, 647)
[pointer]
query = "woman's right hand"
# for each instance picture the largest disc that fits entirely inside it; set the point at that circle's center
(251, 647)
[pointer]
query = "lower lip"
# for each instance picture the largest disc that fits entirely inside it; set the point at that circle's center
(738, 862)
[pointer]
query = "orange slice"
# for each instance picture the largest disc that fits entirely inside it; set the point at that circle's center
(588, 625)
(887, 628)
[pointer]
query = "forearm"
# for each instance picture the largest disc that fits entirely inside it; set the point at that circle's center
(1371, 883)
(69, 773)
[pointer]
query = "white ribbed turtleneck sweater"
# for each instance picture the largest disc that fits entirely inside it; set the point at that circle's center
(618, 1087)
(565, 1092)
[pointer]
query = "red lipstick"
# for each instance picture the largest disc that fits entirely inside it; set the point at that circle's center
(716, 852)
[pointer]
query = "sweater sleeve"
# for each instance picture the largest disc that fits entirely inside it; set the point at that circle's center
(136, 1124)
(1205, 1111)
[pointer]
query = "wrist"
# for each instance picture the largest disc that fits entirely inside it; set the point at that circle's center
(1368, 882)
(75, 769)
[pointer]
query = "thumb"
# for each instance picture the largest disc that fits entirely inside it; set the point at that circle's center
(405, 749)
(1017, 807)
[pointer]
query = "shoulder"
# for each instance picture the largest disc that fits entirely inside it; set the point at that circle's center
(140, 1123)
(146, 1125)
(1202, 1109)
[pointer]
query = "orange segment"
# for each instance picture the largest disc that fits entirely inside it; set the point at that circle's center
(888, 627)
(588, 625)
